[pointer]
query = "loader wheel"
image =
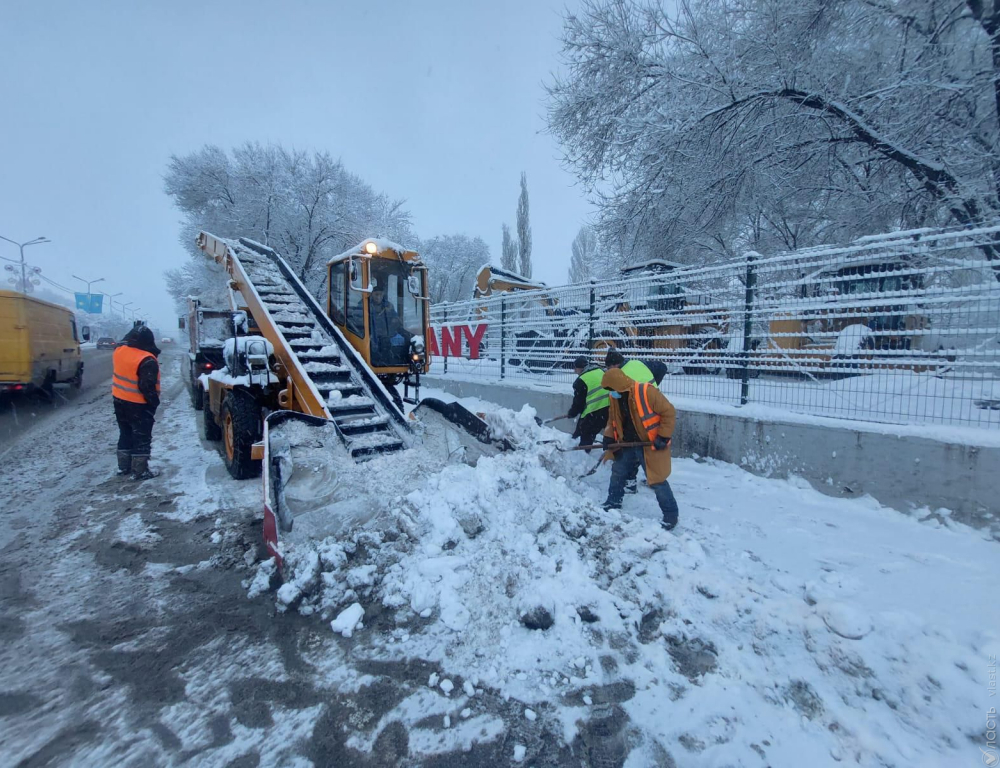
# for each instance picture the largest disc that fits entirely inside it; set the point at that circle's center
(77, 380)
(197, 395)
(240, 430)
(213, 431)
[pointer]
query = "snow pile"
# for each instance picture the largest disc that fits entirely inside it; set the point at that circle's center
(514, 580)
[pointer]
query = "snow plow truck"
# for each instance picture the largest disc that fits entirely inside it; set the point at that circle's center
(306, 396)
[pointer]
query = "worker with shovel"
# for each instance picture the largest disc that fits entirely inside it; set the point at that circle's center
(590, 401)
(639, 413)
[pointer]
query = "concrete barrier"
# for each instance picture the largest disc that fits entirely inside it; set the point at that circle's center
(902, 471)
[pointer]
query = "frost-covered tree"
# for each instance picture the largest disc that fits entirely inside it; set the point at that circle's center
(452, 263)
(524, 229)
(509, 251)
(705, 127)
(586, 261)
(307, 207)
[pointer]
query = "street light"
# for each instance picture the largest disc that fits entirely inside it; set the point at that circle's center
(111, 300)
(89, 282)
(22, 246)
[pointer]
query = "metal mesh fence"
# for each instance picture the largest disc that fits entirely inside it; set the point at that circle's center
(901, 328)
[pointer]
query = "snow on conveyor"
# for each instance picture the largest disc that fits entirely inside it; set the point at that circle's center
(775, 626)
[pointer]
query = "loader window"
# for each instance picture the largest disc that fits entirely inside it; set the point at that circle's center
(396, 315)
(338, 292)
(356, 311)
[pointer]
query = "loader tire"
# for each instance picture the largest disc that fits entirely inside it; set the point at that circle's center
(197, 395)
(240, 430)
(213, 431)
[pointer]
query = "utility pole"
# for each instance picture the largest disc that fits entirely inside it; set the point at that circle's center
(22, 246)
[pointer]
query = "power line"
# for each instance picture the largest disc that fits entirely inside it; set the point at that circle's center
(54, 284)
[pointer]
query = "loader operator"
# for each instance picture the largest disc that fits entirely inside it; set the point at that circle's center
(640, 413)
(135, 386)
(390, 341)
(590, 401)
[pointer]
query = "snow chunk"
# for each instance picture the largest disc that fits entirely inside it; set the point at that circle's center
(262, 579)
(519, 752)
(348, 619)
(845, 620)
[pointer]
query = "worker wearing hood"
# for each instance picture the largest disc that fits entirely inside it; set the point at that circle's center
(135, 386)
(639, 412)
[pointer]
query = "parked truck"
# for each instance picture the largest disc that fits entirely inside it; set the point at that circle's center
(39, 345)
(207, 330)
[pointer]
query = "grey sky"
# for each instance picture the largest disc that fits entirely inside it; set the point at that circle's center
(438, 102)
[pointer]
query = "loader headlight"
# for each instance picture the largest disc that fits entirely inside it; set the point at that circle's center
(371, 248)
(416, 350)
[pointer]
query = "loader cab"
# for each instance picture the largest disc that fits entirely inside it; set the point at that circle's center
(378, 300)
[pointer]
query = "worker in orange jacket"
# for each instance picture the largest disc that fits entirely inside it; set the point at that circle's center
(639, 412)
(135, 386)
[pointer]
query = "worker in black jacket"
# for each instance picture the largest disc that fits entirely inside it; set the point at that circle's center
(135, 386)
(590, 401)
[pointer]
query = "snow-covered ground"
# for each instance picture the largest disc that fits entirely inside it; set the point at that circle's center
(489, 614)
(775, 626)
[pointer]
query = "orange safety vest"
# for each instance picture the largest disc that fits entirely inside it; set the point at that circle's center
(650, 419)
(125, 379)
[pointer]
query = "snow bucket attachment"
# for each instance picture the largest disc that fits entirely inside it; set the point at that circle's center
(432, 410)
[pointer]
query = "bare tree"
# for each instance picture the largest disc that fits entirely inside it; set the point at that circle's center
(509, 251)
(453, 262)
(524, 228)
(768, 124)
(585, 262)
(305, 206)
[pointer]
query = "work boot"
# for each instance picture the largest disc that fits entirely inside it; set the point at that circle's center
(141, 470)
(124, 462)
(667, 526)
(610, 505)
(631, 487)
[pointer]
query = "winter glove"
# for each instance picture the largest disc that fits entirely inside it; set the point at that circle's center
(607, 442)
(661, 443)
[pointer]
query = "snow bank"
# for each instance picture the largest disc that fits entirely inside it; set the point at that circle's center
(775, 620)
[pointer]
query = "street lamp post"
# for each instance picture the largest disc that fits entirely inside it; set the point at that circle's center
(111, 300)
(89, 283)
(22, 246)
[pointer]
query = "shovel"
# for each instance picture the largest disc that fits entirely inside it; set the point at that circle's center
(606, 455)
(542, 423)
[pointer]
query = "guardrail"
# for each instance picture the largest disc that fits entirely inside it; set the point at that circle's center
(900, 328)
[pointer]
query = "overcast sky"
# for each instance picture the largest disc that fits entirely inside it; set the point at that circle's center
(439, 102)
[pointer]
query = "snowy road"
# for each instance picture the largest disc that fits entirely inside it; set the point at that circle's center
(778, 627)
(20, 414)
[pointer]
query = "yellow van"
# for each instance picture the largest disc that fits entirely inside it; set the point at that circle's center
(39, 344)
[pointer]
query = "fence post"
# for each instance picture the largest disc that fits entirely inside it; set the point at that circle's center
(751, 280)
(444, 322)
(590, 325)
(503, 336)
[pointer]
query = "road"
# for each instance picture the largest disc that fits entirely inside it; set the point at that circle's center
(126, 636)
(19, 415)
